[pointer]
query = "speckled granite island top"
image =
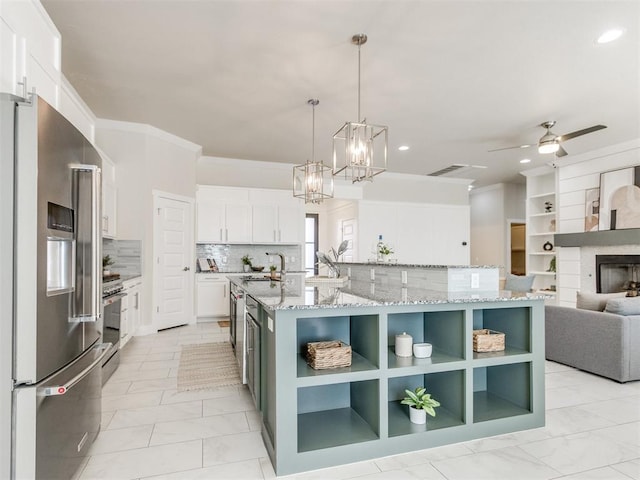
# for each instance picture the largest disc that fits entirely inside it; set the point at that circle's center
(293, 294)
(413, 265)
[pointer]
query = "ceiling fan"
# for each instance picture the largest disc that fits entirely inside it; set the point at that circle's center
(551, 143)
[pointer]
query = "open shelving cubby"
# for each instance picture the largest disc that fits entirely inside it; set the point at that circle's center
(338, 414)
(359, 331)
(514, 322)
(445, 387)
(444, 330)
(501, 391)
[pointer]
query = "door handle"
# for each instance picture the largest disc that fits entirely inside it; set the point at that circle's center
(186, 269)
(62, 389)
(95, 239)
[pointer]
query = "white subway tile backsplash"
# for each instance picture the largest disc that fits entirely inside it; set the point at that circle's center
(126, 253)
(228, 257)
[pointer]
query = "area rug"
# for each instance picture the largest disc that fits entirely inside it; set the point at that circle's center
(223, 323)
(207, 366)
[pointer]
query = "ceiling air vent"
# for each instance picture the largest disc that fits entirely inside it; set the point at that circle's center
(454, 170)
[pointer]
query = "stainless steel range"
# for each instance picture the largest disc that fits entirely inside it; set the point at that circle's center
(112, 295)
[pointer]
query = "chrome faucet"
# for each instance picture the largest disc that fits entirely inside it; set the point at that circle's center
(282, 266)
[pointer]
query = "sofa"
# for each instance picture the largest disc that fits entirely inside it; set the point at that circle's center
(606, 343)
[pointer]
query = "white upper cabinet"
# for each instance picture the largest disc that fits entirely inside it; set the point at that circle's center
(277, 224)
(237, 223)
(210, 221)
(109, 197)
(242, 215)
(291, 224)
(223, 215)
(29, 47)
(265, 223)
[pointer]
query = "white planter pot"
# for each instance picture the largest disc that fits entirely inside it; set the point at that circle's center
(418, 416)
(246, 268)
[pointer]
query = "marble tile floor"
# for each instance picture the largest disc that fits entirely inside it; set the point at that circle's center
(151, 431)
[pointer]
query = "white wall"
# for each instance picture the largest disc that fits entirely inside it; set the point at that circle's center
(146, 159)
(396, 187)
(492, 208)
(576, 175)
(243, 173)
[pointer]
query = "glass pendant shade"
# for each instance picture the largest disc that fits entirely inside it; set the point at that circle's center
(313, 182)
(360, 151)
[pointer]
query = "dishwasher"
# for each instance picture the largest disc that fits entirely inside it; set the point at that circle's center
(253, 348)
(237, 328)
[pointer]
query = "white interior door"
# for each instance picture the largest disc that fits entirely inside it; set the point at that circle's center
(173, 253)
(350, 232)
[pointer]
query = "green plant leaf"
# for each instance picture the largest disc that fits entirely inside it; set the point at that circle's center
(429, 410)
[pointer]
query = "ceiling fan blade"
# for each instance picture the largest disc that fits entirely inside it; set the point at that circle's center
(577, 133)
(510, 148)
(561, 152)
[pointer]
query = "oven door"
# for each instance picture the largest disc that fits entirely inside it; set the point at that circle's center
(111, 315)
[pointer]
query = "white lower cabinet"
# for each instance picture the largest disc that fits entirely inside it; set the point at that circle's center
(130, 313)
(212, 295)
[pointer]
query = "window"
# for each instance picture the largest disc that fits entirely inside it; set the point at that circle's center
(310, 244)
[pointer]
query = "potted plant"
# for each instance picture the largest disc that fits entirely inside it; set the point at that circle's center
(246, 263)
(420, 403)
(384, 251)
(107, 261)
(272, 269)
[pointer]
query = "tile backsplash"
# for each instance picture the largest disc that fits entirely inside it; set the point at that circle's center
(127, 255)
(228, 257)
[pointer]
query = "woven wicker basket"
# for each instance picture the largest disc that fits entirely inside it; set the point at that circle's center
(486, 340)
(332, 354)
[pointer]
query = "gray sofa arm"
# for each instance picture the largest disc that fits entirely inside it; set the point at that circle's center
(602, 343)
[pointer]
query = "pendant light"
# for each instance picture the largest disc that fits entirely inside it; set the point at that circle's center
(359, 148)
(312, 181)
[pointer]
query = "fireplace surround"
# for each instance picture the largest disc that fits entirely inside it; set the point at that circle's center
(616, 273)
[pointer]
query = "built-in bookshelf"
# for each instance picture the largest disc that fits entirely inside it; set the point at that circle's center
(541, 211)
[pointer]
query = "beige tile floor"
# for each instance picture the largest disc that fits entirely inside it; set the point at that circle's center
(150, 430)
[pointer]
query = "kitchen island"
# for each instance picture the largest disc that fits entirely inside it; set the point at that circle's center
(320, 418)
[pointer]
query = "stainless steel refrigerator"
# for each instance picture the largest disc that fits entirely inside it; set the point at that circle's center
(51, 189)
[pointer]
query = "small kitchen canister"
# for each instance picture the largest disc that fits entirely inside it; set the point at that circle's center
(404, 345)
(422, 350)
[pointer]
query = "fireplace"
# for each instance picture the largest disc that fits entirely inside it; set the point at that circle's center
(617, 273)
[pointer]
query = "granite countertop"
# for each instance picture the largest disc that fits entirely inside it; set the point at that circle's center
(294, 294)
(414, 265)
(126, 278)
(242, 272)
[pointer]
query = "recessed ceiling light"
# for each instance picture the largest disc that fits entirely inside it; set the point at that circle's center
(525, 160)
(403, 148)
(610, 35)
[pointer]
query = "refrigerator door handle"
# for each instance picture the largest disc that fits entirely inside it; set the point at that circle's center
(96, 243)
(62, 389)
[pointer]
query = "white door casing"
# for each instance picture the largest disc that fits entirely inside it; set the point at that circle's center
(173, 255)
